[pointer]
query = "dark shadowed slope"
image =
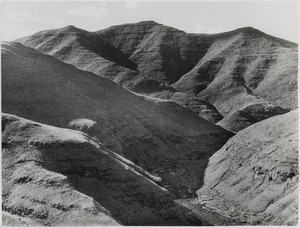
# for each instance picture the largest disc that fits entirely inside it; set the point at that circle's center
(54, 176)
(254, 176)
(232, 71)
(162, 53)
(203, 108)
(158, 136)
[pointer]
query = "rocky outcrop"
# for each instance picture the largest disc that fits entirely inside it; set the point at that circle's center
(254, 176)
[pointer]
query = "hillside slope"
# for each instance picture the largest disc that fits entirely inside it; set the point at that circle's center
(237, 75)
(151, 47)
(55, 176)
(229, 71)
(254, 176)
(158, 136)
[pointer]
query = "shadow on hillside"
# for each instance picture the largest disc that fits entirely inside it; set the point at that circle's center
(130, 198)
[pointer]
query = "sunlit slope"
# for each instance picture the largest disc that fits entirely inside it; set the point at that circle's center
(254, 176)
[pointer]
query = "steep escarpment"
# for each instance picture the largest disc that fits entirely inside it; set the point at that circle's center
(227, 71)
(160, 136)
(54, 176)
(254, 176)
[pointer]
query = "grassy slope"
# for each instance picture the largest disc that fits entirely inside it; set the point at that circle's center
(254, 176)
(56, 176)
(158, 136)
(228, 70)
(238, 75)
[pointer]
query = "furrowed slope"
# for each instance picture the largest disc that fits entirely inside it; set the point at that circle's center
(243, 70)
(81, 48)
(254, 176)
(54, 176)
(146, 47)
(158, 136)
(232, 72)
(161, 55)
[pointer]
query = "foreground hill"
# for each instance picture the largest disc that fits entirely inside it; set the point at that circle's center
(223, 75)
(161, 137)
(54, 176)
(254, 177)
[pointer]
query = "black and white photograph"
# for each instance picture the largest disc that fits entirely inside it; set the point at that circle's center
(149, 113)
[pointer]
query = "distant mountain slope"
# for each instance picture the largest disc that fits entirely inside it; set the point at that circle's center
(254, 177)
(158, 136)
(77, 46)
(230, 71)
(54, 176)
(162, 53)
(152, 47)
(245, 67)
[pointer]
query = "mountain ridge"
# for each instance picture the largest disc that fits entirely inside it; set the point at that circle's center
(163, 62)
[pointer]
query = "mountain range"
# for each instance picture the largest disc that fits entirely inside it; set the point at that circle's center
(144, 124)
(226, 77)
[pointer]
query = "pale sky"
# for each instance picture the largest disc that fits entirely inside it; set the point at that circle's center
(277, 18)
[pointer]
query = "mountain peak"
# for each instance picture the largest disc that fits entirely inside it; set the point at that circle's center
(151, 22)
(249, 30)
(253, 32)
(70, 28)
(244, 30)
(141, 23)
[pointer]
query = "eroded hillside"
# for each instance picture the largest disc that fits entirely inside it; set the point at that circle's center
(162, 137)
(123, 122)
(54, 176)
(232, 72)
